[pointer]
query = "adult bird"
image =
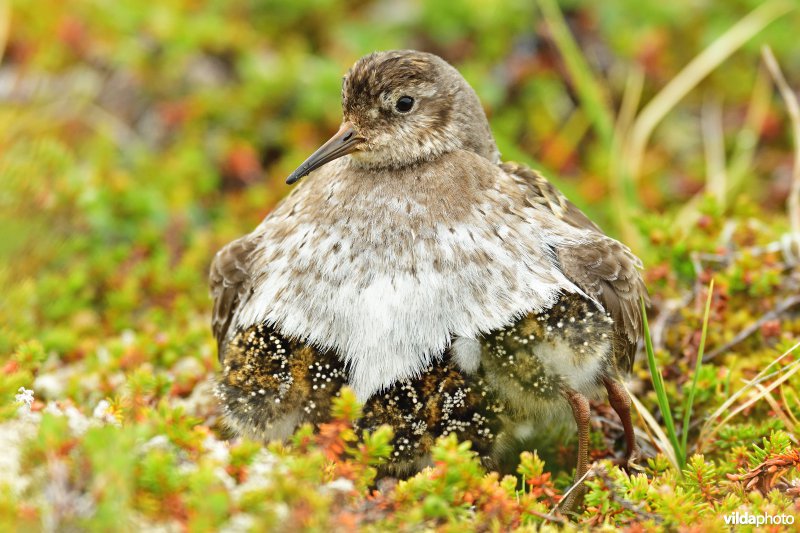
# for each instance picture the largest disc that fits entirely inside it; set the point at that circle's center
(410, 249)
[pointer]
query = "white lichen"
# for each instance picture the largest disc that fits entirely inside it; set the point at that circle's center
(24, 397)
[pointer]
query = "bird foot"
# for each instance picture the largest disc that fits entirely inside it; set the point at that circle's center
(630, 462)
(573, 500)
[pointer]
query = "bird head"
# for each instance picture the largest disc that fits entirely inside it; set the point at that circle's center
(401, 108)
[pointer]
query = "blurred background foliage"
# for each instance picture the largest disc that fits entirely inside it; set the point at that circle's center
(137, 138)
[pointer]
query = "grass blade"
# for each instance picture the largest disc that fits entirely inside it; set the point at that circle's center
(714, 148)
(736, 395)
(661, 395)
(694, 72)
(687, 409)
(5, 25)
(792, 369)
(621, 187)
(591, 96)
(741, 161)
(779, 410)
(793, 109)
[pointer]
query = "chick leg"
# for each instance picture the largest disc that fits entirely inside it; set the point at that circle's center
(580, 410)
(621, 402)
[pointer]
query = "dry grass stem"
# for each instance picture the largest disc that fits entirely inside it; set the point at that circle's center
(688, 78)
(714, 144)
(661, 441)
(787, 372)
(793, 109)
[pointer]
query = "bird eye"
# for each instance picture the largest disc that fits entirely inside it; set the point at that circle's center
(404, 104)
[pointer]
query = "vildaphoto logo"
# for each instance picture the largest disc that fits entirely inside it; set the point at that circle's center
(745, 518)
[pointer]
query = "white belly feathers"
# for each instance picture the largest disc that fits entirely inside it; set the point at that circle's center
(389, 301)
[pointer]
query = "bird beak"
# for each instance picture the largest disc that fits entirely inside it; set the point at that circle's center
(342, 143)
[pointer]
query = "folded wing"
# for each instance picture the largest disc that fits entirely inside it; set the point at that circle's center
(602, 267)
(230, 284)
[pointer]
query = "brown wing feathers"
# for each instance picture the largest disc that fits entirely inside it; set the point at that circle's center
(228, 280)
(609, 272)
(603, 268)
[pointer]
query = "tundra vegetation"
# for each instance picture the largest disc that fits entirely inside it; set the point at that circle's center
(137, 138)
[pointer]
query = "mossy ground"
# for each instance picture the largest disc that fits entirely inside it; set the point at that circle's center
(136, 139)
